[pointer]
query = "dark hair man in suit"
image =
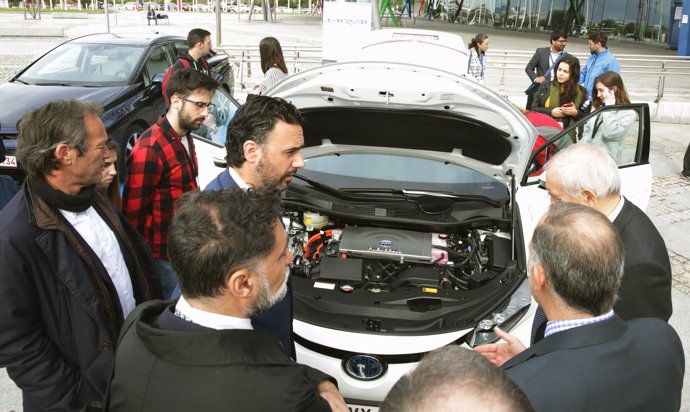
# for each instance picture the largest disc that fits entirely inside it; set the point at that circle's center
(230, 251)
(457, 379)
(586, 174)
(263, 147)
(543, 59)
(590, 359)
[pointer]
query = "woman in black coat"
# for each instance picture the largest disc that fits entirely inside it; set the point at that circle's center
(562, 97)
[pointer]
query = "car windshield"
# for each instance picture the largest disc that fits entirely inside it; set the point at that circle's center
(76, 64)
(384, 171)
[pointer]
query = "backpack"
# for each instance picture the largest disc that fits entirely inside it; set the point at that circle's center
(185, 65)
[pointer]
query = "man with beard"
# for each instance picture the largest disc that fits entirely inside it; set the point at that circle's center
(543, 62)
(163, 165)
(230, 252)
(263, 151)
(601, 60)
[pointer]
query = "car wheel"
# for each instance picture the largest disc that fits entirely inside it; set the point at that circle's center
(131, 135)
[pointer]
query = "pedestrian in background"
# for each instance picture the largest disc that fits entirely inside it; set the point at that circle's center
(199, 42)
(600, 61)
(151, 15)
(562, 97)
(542, 65)
(609, 128)
(110, 183)
(477, 61)
(272, 64)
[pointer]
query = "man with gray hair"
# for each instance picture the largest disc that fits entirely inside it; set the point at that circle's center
(586, 174)
(457, 379)
(230, 252)
(73, 267)
(590, 359)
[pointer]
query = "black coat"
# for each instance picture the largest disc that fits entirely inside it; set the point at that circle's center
(278, 319)
(539, 63)
(56, 332)
(645, 289)
(608, 366)
(165, 363)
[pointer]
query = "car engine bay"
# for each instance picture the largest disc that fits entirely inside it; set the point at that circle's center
(379, 259)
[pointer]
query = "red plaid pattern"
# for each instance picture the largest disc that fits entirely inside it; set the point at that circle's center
(159, 172)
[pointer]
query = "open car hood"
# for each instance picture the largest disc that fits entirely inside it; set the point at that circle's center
(358, 106)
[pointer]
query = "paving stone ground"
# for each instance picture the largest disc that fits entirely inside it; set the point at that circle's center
(668, 207)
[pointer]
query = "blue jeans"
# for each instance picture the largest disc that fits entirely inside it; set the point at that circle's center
(168, 278)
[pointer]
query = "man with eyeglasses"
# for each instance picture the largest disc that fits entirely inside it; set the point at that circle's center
(542, 65)
(163, 165)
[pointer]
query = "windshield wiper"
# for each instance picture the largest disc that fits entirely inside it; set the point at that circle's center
(412, 193)
(21, 81)
(340, 193)
(52, 84)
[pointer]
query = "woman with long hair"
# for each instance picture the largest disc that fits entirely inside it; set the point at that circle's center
(477, 61)
(109, 183)
(608, 129)
(562, 97)
(272, 64)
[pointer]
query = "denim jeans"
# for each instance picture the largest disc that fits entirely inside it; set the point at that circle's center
(168, 278)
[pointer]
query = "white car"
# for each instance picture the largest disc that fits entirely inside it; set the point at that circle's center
(410, 220)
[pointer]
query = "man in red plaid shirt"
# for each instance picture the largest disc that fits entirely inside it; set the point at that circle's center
(163, 165)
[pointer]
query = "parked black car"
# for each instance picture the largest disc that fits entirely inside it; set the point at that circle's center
(115, 70)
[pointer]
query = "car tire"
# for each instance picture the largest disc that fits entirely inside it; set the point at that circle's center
(131, 135)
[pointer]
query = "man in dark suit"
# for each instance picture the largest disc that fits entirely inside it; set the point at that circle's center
(263, 151)
(230, 252)
(587, 175)
(590, 359)
(543, 59)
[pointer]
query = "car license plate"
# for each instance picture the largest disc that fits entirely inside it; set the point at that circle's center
(10, 161)
(362, 408)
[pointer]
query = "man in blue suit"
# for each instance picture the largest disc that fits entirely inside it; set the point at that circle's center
(263, 150)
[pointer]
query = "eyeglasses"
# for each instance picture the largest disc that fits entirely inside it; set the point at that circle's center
(201, 105)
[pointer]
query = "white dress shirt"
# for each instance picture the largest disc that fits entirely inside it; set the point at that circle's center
(210, 320)
(102, 241)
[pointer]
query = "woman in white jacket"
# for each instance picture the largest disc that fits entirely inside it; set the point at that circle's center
(272, 64)
(610, 127)
(477, 59)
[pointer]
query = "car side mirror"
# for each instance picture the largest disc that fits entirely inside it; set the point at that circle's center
(156, 84)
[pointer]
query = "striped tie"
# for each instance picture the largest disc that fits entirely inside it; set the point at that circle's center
(538, 326)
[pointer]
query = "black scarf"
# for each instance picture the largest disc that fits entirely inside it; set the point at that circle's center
(60, 200)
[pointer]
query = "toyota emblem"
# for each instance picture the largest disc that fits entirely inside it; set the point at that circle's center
(364, 367)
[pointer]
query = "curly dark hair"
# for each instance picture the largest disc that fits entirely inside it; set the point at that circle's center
(184, 82)
(572, 86)
(254, 121)
(215, 233)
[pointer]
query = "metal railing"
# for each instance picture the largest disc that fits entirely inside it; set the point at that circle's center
(247, 61)
(646, 77)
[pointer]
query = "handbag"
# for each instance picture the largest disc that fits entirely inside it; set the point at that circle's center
(534, 86)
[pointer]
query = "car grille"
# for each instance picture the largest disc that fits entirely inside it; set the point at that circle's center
(341, 354)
